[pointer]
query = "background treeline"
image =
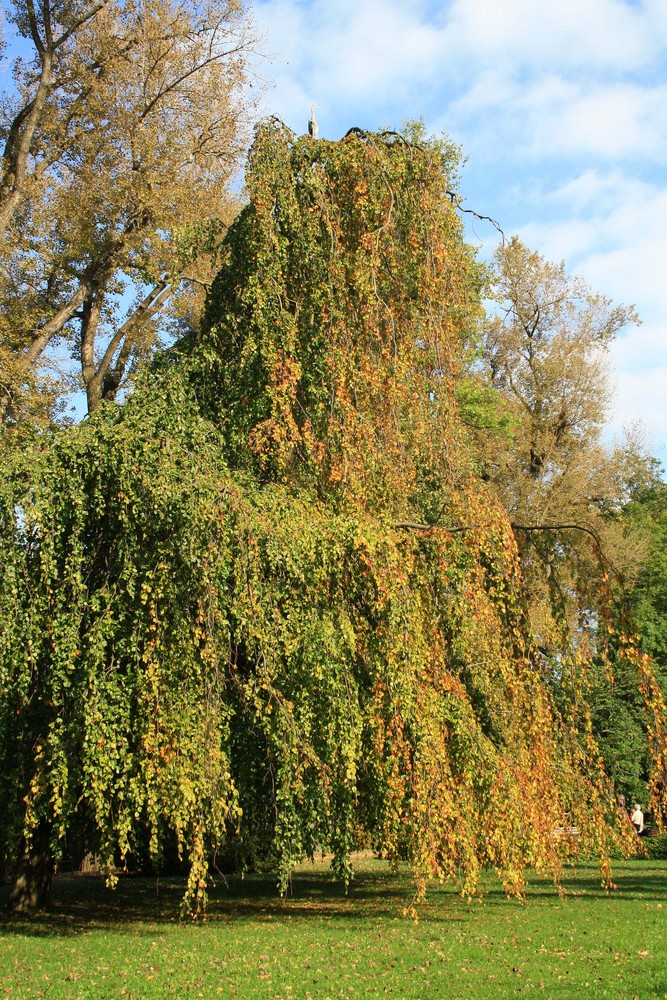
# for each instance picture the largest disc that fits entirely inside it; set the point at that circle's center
(349, 560)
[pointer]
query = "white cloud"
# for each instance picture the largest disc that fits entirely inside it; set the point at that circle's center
(612, 227)
(641, 395)
(543, 77)
(594, 35)
(353, 56)
(554, 116)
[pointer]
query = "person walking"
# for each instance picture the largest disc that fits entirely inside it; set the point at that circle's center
(637, 818)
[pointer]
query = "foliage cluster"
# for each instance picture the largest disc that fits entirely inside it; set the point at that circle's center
(619, 717)
(657, 847)
(269, 606)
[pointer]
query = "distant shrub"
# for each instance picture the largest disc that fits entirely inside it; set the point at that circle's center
(657, 847)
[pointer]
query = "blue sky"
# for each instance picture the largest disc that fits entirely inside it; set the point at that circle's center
(561, 110)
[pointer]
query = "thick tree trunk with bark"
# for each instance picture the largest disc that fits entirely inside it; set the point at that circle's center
(32, 879)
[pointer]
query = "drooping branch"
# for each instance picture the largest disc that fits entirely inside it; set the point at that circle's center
(456, 202)
(453, 529)
(528, 528)
(419, 526)
(560, 527)
(453, 196)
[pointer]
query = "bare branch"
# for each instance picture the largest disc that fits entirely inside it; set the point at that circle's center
(79, 22)
(152, 302)
(17, 148)
(46, 333)
(182, 78)
(34, 30)
(450, 529)
(456, 528)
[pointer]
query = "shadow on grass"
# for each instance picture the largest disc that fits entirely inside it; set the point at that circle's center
(82, 903)
(633, 882)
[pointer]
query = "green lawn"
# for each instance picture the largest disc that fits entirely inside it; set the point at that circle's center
(95, 943)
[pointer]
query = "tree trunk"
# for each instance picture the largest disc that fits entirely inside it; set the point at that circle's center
(89, 324)
(104, 382)
(32, 878)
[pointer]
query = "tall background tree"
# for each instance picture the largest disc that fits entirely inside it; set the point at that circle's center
(120, 138)
(544, 353)
(537, 395)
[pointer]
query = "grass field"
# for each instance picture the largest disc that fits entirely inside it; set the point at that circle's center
(95, 943)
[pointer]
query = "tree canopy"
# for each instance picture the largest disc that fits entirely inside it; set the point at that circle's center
(118, 141)
(269, 606)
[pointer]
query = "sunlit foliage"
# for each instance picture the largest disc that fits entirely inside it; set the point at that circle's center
(268, 607)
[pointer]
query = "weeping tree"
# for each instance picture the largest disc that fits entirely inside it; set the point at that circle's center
(267, 607)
